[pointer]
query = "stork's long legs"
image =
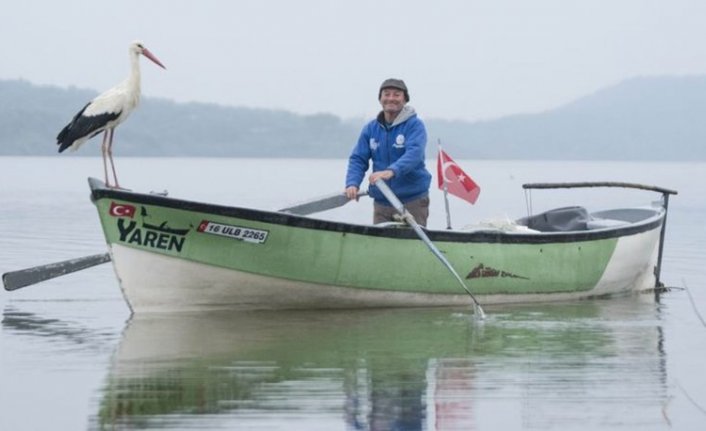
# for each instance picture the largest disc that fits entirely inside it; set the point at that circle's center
(107, 151)
(104, 152)
(110, 155)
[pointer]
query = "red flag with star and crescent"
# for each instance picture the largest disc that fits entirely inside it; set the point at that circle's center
(457, 182)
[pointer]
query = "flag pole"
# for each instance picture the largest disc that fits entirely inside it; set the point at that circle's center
(446, 188)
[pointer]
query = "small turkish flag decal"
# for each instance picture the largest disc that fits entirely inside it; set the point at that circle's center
(121, 210)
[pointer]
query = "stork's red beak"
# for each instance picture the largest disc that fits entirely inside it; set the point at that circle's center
(146, 52)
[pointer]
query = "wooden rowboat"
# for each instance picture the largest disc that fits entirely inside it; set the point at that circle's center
(177, 255)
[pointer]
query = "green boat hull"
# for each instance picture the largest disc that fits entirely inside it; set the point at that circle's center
(171, 254)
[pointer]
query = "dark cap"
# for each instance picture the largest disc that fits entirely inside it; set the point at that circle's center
(394, 83)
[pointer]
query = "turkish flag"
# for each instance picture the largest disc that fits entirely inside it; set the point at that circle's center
(121, 210)
(457, 182)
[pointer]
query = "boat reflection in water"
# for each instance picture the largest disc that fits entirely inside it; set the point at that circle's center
(587, 364)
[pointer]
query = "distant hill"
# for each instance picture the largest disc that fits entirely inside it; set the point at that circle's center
(658, 118)
(31, 116)
(650, 118)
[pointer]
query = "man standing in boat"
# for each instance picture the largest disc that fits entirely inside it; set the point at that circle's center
(395, 142)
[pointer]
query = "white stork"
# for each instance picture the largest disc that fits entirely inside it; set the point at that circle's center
(105, 112)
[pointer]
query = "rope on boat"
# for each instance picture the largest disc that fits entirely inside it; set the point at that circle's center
(693, 304)
(691, 399)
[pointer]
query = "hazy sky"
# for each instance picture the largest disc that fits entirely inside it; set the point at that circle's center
(462, 59)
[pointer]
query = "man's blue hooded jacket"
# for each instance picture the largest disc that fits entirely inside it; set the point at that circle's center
(399, 147)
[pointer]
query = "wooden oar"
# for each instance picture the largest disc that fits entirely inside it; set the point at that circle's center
(392, 198)
(321, 204)
(14, 280)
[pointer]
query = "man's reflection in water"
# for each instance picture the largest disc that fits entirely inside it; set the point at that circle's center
(402, 399)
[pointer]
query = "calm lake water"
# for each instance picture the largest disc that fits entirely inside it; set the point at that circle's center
(72, 358)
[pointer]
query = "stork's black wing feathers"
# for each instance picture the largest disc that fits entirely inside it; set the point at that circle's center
(83, 126)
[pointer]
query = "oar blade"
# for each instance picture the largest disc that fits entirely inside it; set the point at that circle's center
(14, 280)
(319, 205)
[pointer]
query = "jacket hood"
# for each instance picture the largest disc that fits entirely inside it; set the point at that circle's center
(405, 114)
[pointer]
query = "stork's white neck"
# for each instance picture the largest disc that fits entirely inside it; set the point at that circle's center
(135, 68)
(133, 80)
